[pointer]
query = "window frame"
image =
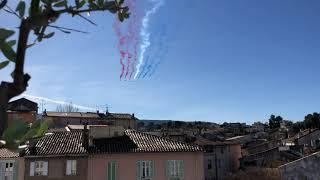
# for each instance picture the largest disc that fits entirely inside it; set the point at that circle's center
(73, 167)
(40, 168)
(173, 169)
(146, 168)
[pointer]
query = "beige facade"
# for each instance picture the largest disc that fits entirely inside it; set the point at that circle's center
(126, 165)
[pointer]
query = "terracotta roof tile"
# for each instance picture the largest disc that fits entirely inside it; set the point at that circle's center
(66, 143)
(6, 153)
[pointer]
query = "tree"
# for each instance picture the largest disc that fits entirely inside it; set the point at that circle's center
(42, 14)
(312, 120)
(274, 122)
(67, 108)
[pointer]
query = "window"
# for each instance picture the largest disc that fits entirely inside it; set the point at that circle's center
(8, 171)
(209, 164)
(175, 169)
(112, 170)
(39, 168)
(144, 170)
(221, 150)
(71, 169)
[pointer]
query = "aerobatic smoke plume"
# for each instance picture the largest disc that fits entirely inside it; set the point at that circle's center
(145, 34)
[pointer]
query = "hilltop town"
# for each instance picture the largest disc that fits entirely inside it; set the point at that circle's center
(80, 144)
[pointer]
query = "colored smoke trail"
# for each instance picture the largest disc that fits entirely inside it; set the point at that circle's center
(145, 34)
(116, 27)
(157, 52)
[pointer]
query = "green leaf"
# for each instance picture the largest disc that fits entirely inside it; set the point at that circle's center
(35, 7)
(5, 33)
(4, 64)
(21, 7)
(12, 42)
(48, 35)
(3, 3)
(63, 3)
(7, 51)
(12, 74)
(80, 4)
(120, 16)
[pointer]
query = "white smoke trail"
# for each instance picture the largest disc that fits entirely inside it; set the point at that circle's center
(58, 102)
(145, 35)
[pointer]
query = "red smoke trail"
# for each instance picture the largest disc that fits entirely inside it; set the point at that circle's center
(122, 40)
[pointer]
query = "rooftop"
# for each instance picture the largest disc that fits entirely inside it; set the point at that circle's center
(6, 153)
(71, 143)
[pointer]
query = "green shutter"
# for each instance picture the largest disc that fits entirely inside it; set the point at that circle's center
(113, 165)
(138, 173)
(152, 168)
(109, 171)
(167, 169)
(181, 169)
(2, 168)
(15, 169)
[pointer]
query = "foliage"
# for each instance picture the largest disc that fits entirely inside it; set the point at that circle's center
(67, 108)
(13, 134)
(37, 129)
(274, 122)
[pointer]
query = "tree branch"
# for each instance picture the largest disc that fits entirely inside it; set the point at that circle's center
(20, 80)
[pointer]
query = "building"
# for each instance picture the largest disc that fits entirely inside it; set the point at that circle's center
(220, 158)
(62, 119)
(304, 168)
(310, 139)
(11, 165)
(22, 109)
(111, 153)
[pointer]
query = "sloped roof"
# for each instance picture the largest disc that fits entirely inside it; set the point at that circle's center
(22, 104)
(6, 153)
(72, 114)
(119, 116)
(70, 143)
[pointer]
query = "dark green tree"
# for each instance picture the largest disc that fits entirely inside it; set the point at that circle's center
(274, 122)
(40, 18)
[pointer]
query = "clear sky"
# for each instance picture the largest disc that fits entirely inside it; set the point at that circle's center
(227, 60)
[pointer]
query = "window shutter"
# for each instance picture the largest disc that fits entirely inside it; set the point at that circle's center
(68, 168)
(113, 170)
(2, 169)
(152, 169)
(181, 169)
(45, 168)
(167, 168)
(138, 173)
(15, 169)
(31, 168)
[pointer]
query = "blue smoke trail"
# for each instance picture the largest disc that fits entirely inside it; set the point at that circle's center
(145, 34)
(144, 66)
(160, 49)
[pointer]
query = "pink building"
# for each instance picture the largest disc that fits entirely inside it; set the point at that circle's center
(111, 153)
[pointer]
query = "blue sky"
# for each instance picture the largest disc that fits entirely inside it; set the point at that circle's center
(227, 60)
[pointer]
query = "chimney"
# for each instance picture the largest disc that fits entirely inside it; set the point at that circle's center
(85, 136)
(97, 111)
(133, 115)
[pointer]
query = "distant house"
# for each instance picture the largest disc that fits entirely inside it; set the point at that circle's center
(111, 153)
(62, 119)
(220, 158)
(310, 139)
(22, 109)
(11, 165)
(304, 168)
